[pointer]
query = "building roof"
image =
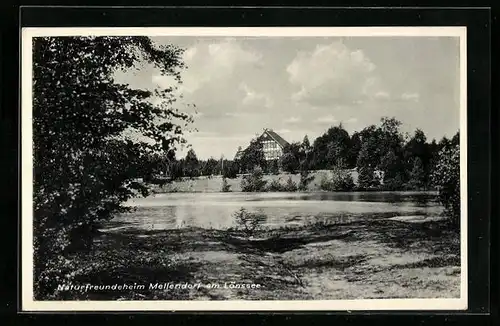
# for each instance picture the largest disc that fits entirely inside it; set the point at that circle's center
(276, 137)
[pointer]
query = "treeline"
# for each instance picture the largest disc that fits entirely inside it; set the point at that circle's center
(384, 157)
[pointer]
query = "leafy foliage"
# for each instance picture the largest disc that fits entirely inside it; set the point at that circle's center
(253, 156)
(273, 167)
(392, 167)
(230, 169)
(254, 181)
(225, 186)
(446, 177)
(209, 167)
(290, 185)
(340, 180)
(289, 162)
(85, 163)
(275, 185)
(305, 180)
(249, 222)
(367, 179)
(191, 164)
(417, 175)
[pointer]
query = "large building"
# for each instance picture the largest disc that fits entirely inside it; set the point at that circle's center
(272, 145)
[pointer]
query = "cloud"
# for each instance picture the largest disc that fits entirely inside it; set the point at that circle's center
(332, 73)
(293, 120)
(327, 119)
(254, 98)
(211, 62)
(410, 97)
(283, 131)
(382, 95)
(237, 114)
(352, 120)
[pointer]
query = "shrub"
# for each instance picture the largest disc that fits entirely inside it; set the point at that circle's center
(275, 185)
(340, 180)
(248, 222)
(225, 186)
(305, 180)
(290, 185)
(254, 181)
(446, 177)
(367, 178)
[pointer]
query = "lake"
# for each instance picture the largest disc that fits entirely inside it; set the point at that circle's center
(215, 210)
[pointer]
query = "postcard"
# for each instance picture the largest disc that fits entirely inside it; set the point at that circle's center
(244, 169)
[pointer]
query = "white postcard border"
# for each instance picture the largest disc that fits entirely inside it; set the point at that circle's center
(29, 304)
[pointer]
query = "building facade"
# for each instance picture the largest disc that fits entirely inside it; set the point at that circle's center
(272, 145)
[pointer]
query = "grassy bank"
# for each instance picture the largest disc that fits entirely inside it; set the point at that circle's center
(214, 183)
(381, 258)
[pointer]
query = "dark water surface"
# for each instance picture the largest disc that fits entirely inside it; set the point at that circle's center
(215, 210)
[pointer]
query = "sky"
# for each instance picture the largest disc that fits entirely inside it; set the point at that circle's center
(303, 86)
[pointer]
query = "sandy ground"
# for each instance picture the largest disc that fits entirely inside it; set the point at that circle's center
(362, 260)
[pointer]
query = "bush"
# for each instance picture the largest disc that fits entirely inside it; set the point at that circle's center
(340, 180)
(225, 186)
(254, 181)
(367, 179)
(446, 177)
(275, 185)
(290, 185)
(248, 222)
(305, 180)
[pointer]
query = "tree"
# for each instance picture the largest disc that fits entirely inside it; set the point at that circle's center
(253, 156)
(370, 151)
(254, 182)
(417, 147)
(455, 140)
(289, 162)
(273, 167)
(392, 137)
(290, 185)
(331, 148)
(209, 167)
(367, 178)
(354, 149)
(85, 163)
(191, 164)
(230, 169)
(417, 175)
(177, 170)
(393, 169)
(306, 146)
(306, 149)
(446, 177)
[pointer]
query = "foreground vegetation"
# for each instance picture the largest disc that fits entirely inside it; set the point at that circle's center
(378, 258)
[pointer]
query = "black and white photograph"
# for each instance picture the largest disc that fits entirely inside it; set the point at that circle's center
(244, 168)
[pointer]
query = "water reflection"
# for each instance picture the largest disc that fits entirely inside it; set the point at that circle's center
(170, 211)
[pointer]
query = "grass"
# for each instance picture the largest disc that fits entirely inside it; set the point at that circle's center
(214, 184)
(379, 258)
